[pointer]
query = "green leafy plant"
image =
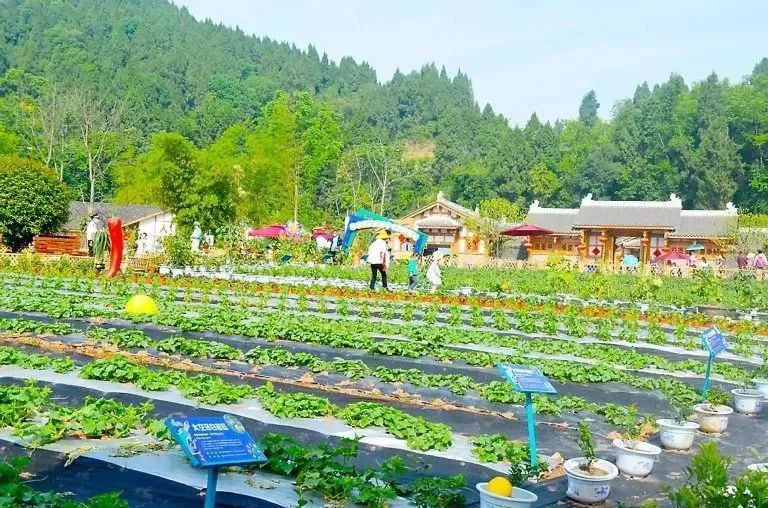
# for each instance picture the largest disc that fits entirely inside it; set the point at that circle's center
(708, 483)
(586, 442)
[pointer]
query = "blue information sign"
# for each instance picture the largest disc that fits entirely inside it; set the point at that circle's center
(526, 379)
(214, 441)
(714, 342)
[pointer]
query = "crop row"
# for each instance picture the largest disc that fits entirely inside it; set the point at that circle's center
(233, 321)
(239, 321)
(205, 289)
(238, 315)
(632, 327)
(743, 291)
(31, 413)
(495, 391)
(419, 433)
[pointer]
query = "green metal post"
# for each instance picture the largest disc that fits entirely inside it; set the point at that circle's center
(531, 427)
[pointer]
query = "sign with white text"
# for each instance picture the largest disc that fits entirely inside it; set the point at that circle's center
(214, 441)
(713, 341)
(526, 379)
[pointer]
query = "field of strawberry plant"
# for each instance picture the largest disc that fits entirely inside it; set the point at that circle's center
(357, 397)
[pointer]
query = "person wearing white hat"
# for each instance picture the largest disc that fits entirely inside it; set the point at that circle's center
(378, 258)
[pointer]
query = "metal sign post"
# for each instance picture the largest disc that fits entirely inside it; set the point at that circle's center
(528, 380)
(210, 489)
(714, 342)
(214, 442)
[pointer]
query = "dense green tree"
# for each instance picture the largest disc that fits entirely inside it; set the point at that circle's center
(192, 186)
(301, 135)
(588, 109)
(32, 201)
(470, 184)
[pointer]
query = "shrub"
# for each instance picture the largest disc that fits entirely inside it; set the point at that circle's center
(32, 201)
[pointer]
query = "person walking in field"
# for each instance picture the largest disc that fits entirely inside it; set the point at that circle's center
(413, 272)
(378, 258)
(433, 272)
(90, 232)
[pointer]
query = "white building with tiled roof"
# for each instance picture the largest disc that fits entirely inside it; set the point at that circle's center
(603, 230)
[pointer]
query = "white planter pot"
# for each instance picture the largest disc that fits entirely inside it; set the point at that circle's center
(177, 272)
(760, 466)
(762, 386)
(747, 402)
(712, 419)
(584, 488)
(636, 461)
(164, 269)
(675, 436)
(521, 498)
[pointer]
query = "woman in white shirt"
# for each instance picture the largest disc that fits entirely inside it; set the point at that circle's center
(434, 276)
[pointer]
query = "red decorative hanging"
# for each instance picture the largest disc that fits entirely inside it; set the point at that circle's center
(657, 253)
(596, 251)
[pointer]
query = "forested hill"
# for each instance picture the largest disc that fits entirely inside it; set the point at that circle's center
(222, 90)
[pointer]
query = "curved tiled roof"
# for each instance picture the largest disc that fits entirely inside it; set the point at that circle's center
(557, 220)
(438, 221)
(629, 214)
(658, 215)
(704, 223)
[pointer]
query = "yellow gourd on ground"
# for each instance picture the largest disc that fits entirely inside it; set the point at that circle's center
(500, 486)
(141, 304)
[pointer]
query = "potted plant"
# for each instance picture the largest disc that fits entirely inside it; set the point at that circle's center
(746, 400)
(589, 478)
(712, 418)
(633, 456)
(519, 473)
(761, 379)
(677, 433)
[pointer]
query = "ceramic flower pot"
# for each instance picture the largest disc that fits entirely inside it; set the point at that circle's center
(760, 466)
(589, 487)
(747, 402)
(635, 458)
(762, 386)
(676, 435)
(164, 269)
(713, 419)
(521, 498)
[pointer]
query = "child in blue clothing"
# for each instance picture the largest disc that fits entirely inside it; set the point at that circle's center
(413, 272)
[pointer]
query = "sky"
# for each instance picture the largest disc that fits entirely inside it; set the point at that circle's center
(521, 56)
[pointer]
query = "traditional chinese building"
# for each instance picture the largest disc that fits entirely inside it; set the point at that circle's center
(603, 231)
(449, 227)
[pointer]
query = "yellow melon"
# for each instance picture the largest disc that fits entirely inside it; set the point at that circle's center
(500, 486)
(141, 304)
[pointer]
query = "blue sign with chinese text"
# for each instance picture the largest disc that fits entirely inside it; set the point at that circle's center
(214, 441)
(712, 339)
(526, 379)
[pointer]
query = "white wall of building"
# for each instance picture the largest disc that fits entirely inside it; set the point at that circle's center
(156, 227)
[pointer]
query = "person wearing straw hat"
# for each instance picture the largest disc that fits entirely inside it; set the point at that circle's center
(378, 258)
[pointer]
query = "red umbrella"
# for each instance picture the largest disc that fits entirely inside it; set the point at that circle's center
(273, 231)
(322, 234)
(526, 230)
(673, 255)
